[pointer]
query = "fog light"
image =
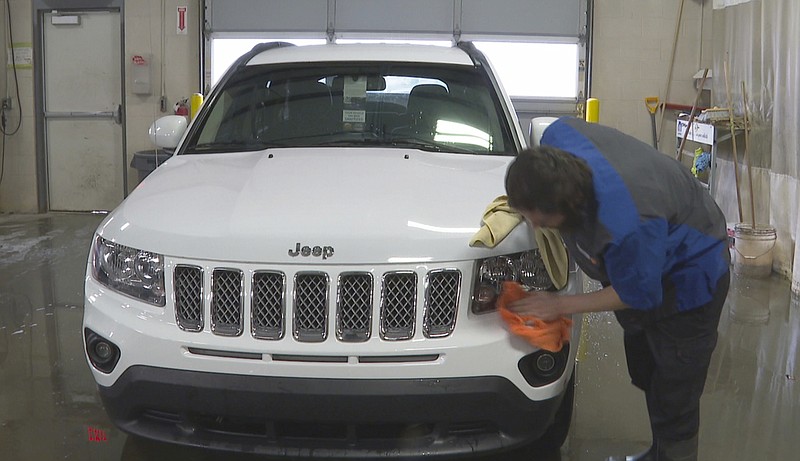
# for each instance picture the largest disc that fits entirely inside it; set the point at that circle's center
(545, 363)
(103, 350)
(102, 353)
(542, 367)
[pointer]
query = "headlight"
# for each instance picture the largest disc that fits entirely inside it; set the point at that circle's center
(136, 273)
(527, 268)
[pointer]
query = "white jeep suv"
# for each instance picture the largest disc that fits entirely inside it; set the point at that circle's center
(297, 279)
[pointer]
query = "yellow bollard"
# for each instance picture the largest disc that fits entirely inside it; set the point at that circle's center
(195, 102)
(592, 110)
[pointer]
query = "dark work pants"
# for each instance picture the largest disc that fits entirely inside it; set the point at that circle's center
(668, 355)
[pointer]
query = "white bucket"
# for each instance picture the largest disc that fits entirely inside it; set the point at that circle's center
(753, 255)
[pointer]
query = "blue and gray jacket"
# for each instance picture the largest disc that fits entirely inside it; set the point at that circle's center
(655, 224)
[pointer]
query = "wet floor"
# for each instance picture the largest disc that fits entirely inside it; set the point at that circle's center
(49, 409)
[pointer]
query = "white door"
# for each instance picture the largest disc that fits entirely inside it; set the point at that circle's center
(84, 132)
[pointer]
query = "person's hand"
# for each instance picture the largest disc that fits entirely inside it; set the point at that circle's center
(540, 304)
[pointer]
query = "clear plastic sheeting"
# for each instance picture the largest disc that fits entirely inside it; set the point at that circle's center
(759, 43)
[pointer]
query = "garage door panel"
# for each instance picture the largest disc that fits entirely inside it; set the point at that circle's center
(268, 15)
(423, 16)
(560, 18)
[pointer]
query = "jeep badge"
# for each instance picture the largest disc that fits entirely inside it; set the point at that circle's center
(326, 251)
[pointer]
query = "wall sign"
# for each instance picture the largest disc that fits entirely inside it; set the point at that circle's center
(700, 132)
(182, 26)
(21, 54)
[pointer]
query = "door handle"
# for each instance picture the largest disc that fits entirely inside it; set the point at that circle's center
(115, 114)
(118, 114)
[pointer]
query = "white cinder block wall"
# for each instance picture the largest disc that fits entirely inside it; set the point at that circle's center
(633, 42)
(18, 188)
(144, 23)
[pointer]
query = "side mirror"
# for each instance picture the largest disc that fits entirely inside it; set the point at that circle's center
(167, 131)
(536, 129)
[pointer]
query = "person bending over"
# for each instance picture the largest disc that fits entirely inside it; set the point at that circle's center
(641, 224)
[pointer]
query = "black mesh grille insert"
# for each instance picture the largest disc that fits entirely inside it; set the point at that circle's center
(188, 286)
(354, 307)
(398, 305)
(226, 302)
(441, 302)
(267, 305)
(311, 306)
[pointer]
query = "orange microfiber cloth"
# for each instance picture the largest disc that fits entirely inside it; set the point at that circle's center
(550, 336)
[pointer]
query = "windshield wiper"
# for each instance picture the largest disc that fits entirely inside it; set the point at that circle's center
(427, 145)
(228, 146)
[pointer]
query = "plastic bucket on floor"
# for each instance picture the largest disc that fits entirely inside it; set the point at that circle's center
(753, 250)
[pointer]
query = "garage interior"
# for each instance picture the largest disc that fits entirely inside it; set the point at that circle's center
(739, 55)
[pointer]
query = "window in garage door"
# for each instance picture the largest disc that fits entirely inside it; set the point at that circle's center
(224, 51)
(535, 70)
(527, 70)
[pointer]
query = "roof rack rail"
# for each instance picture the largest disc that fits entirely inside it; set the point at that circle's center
(257, 49)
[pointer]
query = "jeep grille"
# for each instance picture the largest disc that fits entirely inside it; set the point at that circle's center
(311, 307)
(264, 305)
(267, 305)
(399, 305)
(189, 297)
(226, 302)
(441, 302)
(354, 307)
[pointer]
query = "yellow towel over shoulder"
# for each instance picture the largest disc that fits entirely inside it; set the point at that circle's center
(499, 220)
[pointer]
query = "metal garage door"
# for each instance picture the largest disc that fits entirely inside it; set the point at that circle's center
(539, 18)
(553, 23)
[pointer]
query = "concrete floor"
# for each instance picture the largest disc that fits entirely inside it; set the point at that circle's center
(49, 408)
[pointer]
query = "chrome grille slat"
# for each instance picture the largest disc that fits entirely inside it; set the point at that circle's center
(267, 305)
(441, 302)
(188, 288)
(310, 315)
(226, 302)
(354, 307)
(398, 305)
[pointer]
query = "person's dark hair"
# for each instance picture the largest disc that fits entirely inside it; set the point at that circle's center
(550, 180)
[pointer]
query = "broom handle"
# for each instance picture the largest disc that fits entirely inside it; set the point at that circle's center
(733, 138)
(747, 156)
(692, 115)
(671, 67)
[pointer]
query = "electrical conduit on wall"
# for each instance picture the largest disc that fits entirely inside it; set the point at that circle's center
(9, 105)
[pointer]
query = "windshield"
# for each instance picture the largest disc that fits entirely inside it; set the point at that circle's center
(429, 107)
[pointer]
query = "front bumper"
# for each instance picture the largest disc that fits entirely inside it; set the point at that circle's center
(462, 394)
(323, 418)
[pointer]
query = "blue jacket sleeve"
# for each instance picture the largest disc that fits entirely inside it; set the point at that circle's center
(635, 264)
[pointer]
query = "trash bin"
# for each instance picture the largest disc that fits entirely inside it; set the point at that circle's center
(146, 161)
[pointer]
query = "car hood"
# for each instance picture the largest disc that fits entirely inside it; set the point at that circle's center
(356, 205)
